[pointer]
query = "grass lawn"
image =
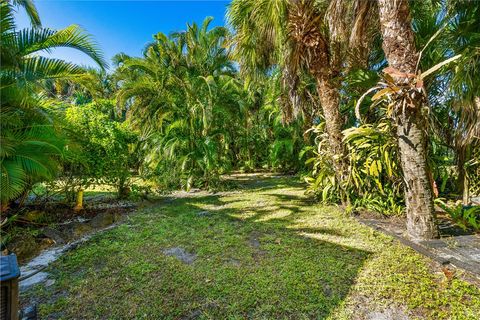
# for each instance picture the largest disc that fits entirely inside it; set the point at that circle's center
(264, 252)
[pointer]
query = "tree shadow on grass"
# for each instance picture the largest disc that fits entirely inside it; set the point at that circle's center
(267, 181)
(273, 269)
(260, 266)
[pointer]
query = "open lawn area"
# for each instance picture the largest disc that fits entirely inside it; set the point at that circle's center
(262, 251)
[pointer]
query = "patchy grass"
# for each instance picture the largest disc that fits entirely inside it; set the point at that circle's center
(263, 253)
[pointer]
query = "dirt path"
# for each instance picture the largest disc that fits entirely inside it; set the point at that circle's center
(262, 251)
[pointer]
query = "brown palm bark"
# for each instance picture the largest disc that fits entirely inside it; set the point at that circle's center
(330, 102)
(463, 155)
(313, 49)
(400, 51)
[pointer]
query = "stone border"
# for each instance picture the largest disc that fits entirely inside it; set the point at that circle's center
(471, 275)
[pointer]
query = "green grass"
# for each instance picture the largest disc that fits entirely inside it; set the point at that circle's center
(263, 253)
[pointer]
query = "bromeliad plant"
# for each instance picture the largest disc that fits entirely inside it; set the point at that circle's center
(406, 103)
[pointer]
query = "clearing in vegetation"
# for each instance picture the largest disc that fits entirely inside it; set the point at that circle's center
(263, 251)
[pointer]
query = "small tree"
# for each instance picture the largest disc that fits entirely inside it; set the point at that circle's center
(103, 149)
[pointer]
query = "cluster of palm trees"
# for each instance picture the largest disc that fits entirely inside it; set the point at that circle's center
(196, 115)
(193, 118)
(183, 94)
(382, 97)
(332, 40)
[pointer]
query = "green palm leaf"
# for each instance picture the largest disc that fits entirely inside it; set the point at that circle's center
(34, 40)
(31, 11)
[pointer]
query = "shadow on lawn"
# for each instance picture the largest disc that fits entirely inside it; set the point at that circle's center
(305, 277)
(259, 266)
(262, 181)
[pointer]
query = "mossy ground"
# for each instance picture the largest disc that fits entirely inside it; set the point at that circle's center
(263, 252)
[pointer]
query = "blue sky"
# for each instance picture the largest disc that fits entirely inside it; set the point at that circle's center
(122, 26)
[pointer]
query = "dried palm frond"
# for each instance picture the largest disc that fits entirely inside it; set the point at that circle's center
(309, 46)
(468, 124)
(364, 27)
(298, 98)
(336, 20)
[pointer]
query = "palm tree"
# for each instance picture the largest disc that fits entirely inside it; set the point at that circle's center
(463, 38)
(30, 9)
(185, 94)
(317, 37)
(30, 144)
(454, 118)
(409, 101)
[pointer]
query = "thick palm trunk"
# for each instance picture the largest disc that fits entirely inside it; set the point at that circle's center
(462, 182)
(330, 101)
(399, 48)
(313, 49)
(418, 188)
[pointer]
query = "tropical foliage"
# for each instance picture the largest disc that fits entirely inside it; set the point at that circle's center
(102, 150)
(31, 145)
(198, 118)
(312, 87)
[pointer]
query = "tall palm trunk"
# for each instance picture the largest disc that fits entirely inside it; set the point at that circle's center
(463, 154)
(312, 48)
(330, 101)
(400, 51)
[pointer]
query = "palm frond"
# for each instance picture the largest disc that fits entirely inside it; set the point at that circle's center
(31, 11)
(35, 40)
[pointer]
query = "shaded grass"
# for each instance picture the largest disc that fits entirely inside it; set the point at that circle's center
(263, 253)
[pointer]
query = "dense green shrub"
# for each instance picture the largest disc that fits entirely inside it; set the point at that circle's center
(101, 150)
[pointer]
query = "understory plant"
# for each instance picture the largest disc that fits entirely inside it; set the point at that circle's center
(322, 181)
(101, 150)
(464, 216)
(374, 180)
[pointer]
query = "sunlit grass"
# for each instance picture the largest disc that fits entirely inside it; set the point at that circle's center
(264, 253)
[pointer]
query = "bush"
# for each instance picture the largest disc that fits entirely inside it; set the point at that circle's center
(102, 150)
